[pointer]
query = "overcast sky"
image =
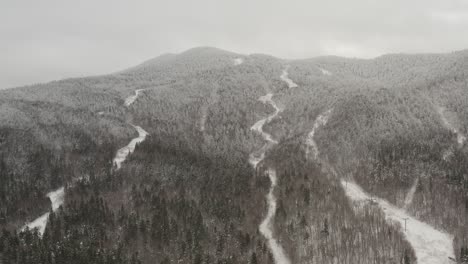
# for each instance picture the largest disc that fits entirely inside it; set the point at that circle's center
(44, 40)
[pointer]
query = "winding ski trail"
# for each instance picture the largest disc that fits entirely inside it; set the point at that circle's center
(123, 153)
(57, 197)
(265, 227)
(131, 99)
(255, 158)
(285, 77)
(321, 120)
(430, 245)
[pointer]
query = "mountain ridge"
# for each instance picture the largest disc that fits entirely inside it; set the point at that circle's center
(188, 191)
(209, 51)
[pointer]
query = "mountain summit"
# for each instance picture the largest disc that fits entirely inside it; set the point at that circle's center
(209, 156)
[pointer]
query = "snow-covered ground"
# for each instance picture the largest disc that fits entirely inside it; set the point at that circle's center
(266, 226)
(255, 158)
(129, 100)
(125, 151)
(325, 72)
(430, 245)
(321, 120)
(238, 61)
(203, 118)
(460, 137)
(447, 154)
(39, 224)
(56, 198)
(409, 197)
(285, 77)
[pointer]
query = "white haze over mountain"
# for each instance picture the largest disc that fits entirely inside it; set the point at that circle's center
(52, 39)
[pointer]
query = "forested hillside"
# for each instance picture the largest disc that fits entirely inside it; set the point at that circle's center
(394, 125)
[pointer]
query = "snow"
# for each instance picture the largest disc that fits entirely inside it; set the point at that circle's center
(125, 151)
(265, 227)
(39, 224)
(285, 78)
(460, 137)
(410, 195)
(238, 61)
(258, 126)
(430, 245)
(132, 98)
(203, 119)
(321, 120)
(56, 198)
(325, 72)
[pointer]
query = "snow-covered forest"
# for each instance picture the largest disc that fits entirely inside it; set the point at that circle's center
(154, 163)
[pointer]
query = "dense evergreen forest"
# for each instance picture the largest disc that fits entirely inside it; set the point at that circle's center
(188, 194)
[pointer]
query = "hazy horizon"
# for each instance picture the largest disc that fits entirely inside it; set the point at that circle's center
(51, 40)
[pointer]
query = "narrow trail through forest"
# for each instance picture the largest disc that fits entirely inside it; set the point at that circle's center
(57, 197)
(131, 99)
(285, 77)
(123, 153)
(321, 120)
(431, 246)
(450, 125)
(409, 197)
(265, 227)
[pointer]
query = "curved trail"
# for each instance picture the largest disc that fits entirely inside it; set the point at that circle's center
(131, 99)
(123, 153)
(321, 120)
(266, 226)
(285, 77)
(57, 197)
